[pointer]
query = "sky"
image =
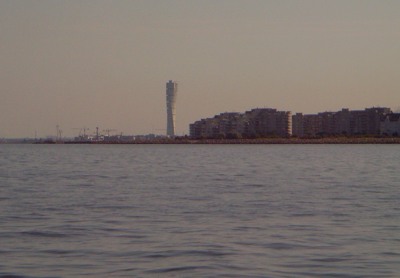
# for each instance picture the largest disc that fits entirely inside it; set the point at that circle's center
(100, 63)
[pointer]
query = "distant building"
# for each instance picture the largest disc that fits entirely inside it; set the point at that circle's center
(344, 122)
(264, 122)
(224, 125)
(172, 89)
(251, 124)
(374, 117)
(268, 122)
(298, 124)
(306, 125)
(390, 125)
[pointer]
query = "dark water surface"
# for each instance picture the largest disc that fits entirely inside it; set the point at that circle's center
(200, 211)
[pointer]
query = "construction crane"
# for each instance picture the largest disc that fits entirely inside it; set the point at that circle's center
(82, 136)
(84, 131)
(108, 131)
(59, 133)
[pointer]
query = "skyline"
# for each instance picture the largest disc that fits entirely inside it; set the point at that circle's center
(101, 63)
(93, 133)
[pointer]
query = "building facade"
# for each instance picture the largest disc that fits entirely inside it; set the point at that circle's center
(390, 125)
(268, 122)
(172, 89)
(256, 123)
(344, 122)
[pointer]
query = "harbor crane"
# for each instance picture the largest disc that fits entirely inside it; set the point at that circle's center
(58, 134)
(108, 131)
(84, 129)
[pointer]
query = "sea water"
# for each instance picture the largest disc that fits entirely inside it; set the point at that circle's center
(199, 211)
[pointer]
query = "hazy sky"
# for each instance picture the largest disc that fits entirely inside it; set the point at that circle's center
(88, 63)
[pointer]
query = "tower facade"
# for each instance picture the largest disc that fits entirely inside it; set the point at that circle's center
(172, 88)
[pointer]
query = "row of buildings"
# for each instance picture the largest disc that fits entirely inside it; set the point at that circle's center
(267, 122)
(260, 122)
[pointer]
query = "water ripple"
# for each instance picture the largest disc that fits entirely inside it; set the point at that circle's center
(199, 211)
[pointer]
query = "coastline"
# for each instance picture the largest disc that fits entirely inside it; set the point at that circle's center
(265, 141)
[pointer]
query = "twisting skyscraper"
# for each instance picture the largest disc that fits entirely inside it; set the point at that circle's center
(172, 88)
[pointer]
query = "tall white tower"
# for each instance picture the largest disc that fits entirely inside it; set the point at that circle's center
(172, 88)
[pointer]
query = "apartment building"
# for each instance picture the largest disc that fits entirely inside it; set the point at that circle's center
(220, 126)
(268, 122)
(344, 122)
(264, 122)
(390, 125)
(256, 123)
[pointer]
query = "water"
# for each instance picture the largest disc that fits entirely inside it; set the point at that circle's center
(199, 211)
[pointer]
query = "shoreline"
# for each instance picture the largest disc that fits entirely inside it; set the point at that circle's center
(260, 141)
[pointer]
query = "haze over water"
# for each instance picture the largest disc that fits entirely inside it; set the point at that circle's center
(199, 211)
(100, 63)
